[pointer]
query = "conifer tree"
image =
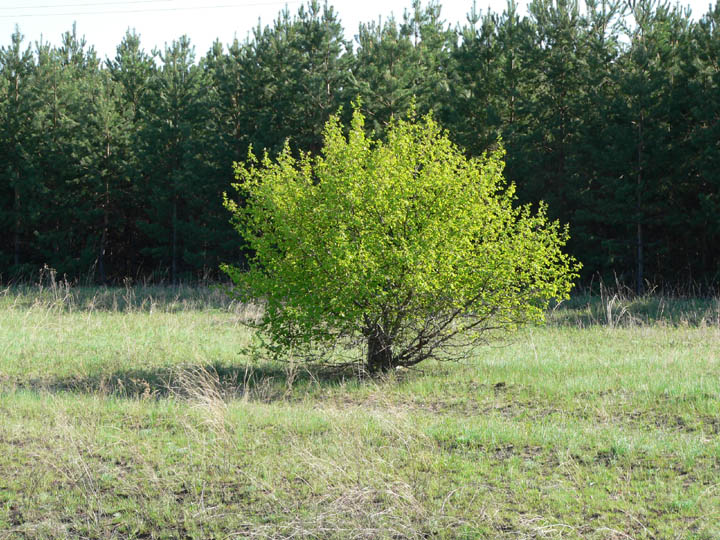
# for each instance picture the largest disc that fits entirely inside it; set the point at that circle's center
(64, 80)
(104, 166)
(175, 114)
(476, 90)
(131, 70)
(642, 133)
(396, 64)
(596, 172)
(16, 134)
(556, 71)
(697, 214)
(381, 74)
(296, 73)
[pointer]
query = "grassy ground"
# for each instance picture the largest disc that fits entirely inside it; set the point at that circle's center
(129, 413)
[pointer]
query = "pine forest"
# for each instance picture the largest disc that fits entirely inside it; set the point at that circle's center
(608, 111)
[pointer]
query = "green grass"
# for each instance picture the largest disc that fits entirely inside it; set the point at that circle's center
(131, 413)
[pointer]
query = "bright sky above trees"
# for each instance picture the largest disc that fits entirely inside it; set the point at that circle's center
(104, 22)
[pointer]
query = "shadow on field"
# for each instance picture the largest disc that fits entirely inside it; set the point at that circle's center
(265, 383)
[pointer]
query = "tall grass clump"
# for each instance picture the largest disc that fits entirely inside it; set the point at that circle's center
(619, 307)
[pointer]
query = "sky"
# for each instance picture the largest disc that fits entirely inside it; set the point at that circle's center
(104, 22)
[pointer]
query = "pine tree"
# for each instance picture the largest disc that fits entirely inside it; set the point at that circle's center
(295, 73)
(131, 70)
(175, 114)
(224, 139)
(398, 63)
(555, 71)
(381, 72)
(16, 135)
(319, 72)
(696, 125)
(433, 42)
(476, 90)
(104, 165)
(64, 81)
(643, 135)
(596, 218)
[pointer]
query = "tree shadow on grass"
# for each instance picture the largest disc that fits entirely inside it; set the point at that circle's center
(262, 382)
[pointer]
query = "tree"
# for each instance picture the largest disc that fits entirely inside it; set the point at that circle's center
(701, 149)
(597, 215)
(176, 113)
(63, 224)
(644, 134)
(104, 162)
(132, 71)
(477, 89)
(294, 75)
(396, 63)
(16, 113)
(403, 247)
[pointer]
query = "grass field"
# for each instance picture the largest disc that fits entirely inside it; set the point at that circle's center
(131, 413)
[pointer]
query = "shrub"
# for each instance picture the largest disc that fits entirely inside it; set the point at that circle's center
(395, 251)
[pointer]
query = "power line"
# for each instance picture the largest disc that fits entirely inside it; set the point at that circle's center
(89, 4)
(152, 10)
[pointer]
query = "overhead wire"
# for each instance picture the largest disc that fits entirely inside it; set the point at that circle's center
(152, 10)
(86, 4)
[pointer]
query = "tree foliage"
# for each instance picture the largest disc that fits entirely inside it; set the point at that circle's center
(404, 245)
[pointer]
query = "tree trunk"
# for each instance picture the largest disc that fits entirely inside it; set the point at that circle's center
(16, 204)
(106, 219)
(174, 241)
(640, 283)
(379, 352)
(18, 224)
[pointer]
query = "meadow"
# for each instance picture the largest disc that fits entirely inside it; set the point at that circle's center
(134, 413)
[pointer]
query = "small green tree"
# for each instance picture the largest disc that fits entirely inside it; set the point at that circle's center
(399, 251)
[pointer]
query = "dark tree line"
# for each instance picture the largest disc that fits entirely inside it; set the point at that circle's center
(114, 168)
